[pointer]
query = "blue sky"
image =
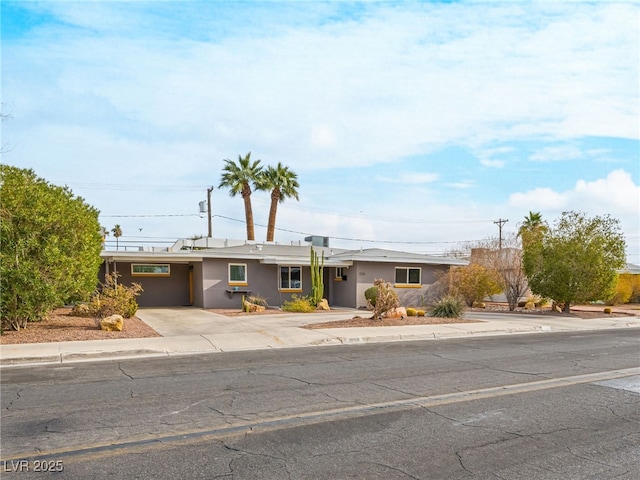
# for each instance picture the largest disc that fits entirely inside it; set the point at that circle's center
(411, 125)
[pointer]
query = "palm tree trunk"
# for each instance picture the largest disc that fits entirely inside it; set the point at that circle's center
(273, 209)
(271, 228)
(248, 213)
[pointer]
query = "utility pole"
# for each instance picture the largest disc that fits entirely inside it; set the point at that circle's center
(209, 190)
(500, 222)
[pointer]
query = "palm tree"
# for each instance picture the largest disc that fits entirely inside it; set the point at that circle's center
(283, 184)
(238, 178)
(117, 232)
(532, 227)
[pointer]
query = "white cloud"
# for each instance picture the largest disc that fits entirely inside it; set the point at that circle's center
(409, 178)
(557, 153)
(420, 88)
(135, 96)
(616, 195)
(461, 185)
(492, 163)
(322, 136)
(539, 198)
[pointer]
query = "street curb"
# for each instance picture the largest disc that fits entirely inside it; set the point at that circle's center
(333, 340)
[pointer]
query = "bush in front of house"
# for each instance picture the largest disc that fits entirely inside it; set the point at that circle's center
(386, 298)
(112, 298)
(448, 307)
(298, 304)
(257, 300)
(371, 294)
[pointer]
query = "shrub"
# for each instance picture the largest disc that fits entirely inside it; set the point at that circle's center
(386, 298)
(113, 298)
(529, 306)
(298, 304)
(370, 294)
(81, 310)
(257, 300)
(411, 312)
(421, 313)
(448, 307)
(627, 288)
(479, 305)
(473, 283)
(607, 310)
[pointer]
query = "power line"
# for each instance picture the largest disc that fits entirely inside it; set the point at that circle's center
(158, 215)
(343, 238)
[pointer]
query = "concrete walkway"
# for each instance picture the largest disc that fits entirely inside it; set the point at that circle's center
(193, 331)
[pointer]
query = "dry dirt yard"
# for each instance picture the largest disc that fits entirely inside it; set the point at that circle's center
(62, 327)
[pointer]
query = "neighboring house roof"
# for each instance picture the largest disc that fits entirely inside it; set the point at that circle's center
(393, 256)
(278, 254)
(631, 268)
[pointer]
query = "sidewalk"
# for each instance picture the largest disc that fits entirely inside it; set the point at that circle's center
(188, 331)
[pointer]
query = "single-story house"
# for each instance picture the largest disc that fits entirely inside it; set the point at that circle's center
(212, 273)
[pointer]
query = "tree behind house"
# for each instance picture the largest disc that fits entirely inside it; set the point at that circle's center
(238, 177)
(117, 233)
(577, 260)
(282, 182)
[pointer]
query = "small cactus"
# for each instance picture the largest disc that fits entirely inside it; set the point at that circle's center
(420, 313)
(607, 310)
(412, 312)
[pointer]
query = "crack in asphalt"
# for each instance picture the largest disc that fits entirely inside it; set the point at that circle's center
(397, 390)
(395, 469)
(461, 462)
(123, 372)
(15, 399)
(242, 453)
(581, 457)
(287, 377)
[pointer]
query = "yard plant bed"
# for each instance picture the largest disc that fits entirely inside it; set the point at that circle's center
(62, 327)
(388, 322)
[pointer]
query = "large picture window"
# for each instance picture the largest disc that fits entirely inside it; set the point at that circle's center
(150, 270)
(237, 274)
(408, 276)
(291, 278)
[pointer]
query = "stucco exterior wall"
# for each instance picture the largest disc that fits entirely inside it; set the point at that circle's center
(367, 272)
(341, 292)
(168, 291)
(262, 280)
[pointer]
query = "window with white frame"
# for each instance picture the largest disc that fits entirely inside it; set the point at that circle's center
(340, 273)
(237, 274)
(408, 276)
(290, 278)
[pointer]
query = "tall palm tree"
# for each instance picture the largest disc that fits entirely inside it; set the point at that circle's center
(283, 184)
(117, 232)
(532, 227)
(238, 178)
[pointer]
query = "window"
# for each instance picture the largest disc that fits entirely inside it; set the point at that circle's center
(341, 274)
(408, 276)
(150, 269)
(290, 278)
(238, 274)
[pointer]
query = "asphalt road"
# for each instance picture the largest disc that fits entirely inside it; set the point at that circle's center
(538, 406)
